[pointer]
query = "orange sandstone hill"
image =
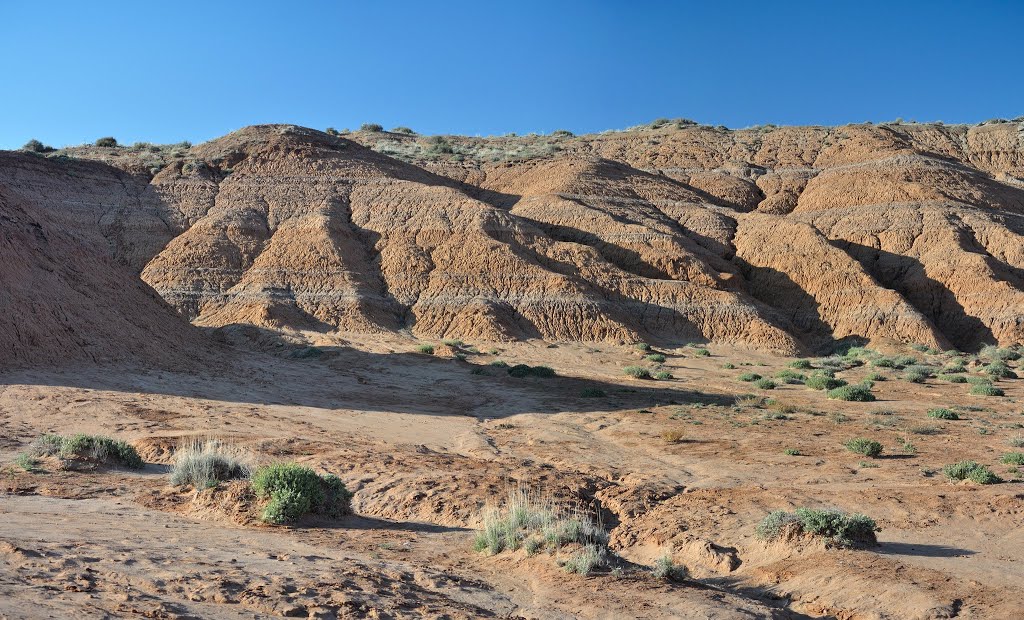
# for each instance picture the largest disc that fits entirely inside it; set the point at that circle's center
(781, 239)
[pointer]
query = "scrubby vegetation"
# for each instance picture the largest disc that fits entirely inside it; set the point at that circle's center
(765, 384)
(982, 389)
(749, 377)
(108, 141)
(865, 446)
(943, 414)
(666, 569)
(523, 370)
(856, 393)
(970, 470)
(1012, 458)
(535, 522)
(657, 358)
(663, 375)
(701, 352)
(95, 449)
(295, 490)
(790, 376)
(426, 348)
(821, 381)
(371, 127)
(203, 464)
(837, 528)
(801, 364)
(637, 372)
(593, 393)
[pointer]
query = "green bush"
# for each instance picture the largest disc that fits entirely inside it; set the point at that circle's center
(995, 353)
(876, 376)
(35, 146)
(657, 358)
(953, 378)
(979, 380)
(865, 446)
(426, 348)
(1000, 370)
(295, 490)
(823, 382)
(523, 370)
(701, 352)
(902, 361)
(884, 362)
(986, 390)
(765, 384)
(749, 377)
(729, 366)
(372, 127)
(637, 372)
(970, 470)
(915, 376)
(1012, 458)
(96, 448)
(593, 393)
(108, 141)
(27, 462)
(943, 414)
(837, 528)
(663, 375)
(856, 393)
(801, 364)
(203, 464)
(643, 346)
(791, 452)
(404, 130)
(499, 364)
(667, 570)
(789, 376)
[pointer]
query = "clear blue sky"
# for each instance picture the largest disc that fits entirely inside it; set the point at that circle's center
(170, 71)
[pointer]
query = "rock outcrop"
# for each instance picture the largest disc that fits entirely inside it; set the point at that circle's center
(781, 239)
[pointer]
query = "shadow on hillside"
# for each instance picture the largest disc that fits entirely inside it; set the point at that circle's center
(933, 299)
(271, 372)
(921, 550)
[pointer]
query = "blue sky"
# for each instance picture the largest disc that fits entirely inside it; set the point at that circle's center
(165, 72)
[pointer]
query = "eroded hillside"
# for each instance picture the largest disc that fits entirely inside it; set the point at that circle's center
(779, 239)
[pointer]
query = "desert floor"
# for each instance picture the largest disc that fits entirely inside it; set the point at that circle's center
(424, 443)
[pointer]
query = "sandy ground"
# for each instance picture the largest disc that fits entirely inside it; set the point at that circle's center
(424, 443)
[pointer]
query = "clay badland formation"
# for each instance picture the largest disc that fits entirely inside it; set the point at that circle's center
(268, 289)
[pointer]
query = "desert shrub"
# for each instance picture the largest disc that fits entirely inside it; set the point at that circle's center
(876, 376)
(701, 352)
(970, 470)
(749, 377)
(523, 370)
(331, 131)
(499, 364)
(1012, 458)
(943, 414)
(979, 380)
(526, 518)
(672, 435)
(372, 127)
(584, 560)
(449, 342)
(94, 448)
(996, 353)
(915, 376)
(426, 348)
(954, 366)
(478, 371)
(790, 376)
(999, 370)
(952, 378)
(729, 366)
(657, 358)
(203, 464)
(403, 130)
(884, 362)
(562, 133)
(765, 384)
(667, 570)
(791, 452)
(865, 446)
(1017, 441)
(823, 382)
(986, 390)
(295, 490)
(837, 528)
(856, 393)
(801, 364)
(902, 361)
(637, 372)
(663, 375)
(108, 141)
(593, 393)
(35, 146)
(27, 462)
(643, 346)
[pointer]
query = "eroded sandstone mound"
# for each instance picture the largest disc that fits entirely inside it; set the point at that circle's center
(782, 239)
